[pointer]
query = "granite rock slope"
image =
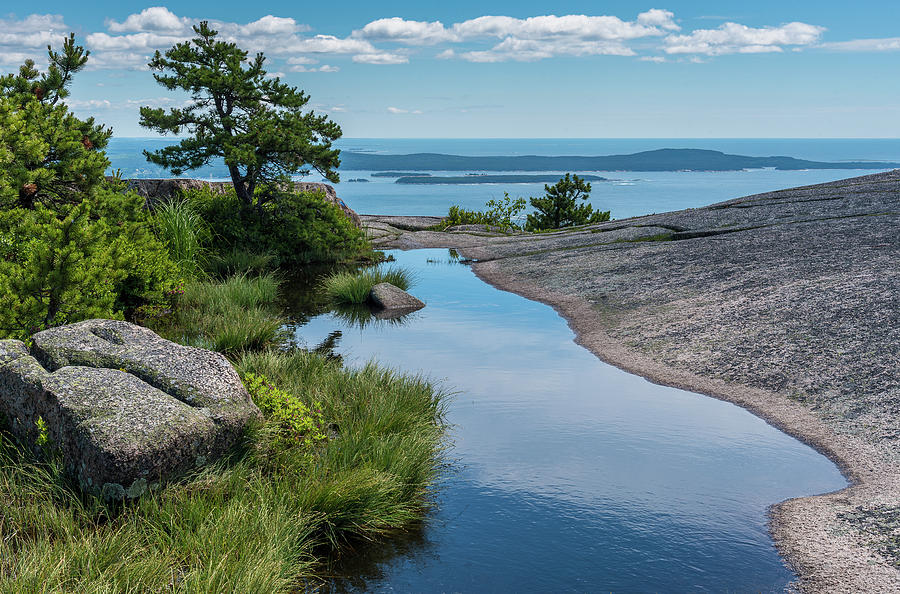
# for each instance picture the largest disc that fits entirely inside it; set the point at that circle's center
(786, 303)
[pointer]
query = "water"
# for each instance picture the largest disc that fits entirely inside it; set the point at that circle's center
(569, 474)
(626, 195)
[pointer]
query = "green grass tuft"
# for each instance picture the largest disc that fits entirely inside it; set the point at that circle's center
(184, 232)
(228, 316)
(353, 288)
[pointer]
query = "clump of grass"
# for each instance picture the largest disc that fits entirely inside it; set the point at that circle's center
(228, 316)
(353, 287)
(229, 263)
(250, 524)
(184, 232)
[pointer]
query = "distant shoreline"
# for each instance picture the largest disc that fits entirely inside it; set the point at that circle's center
(656, 160)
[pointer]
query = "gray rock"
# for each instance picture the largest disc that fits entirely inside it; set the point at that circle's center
(159, 189)
(125, 407)
(393, 299)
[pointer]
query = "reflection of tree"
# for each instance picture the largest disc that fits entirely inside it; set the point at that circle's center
(327, 347)
(362, 563)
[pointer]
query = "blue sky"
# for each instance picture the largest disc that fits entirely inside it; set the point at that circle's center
(514, 69)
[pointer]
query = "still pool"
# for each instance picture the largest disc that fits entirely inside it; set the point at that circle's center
(565, 473)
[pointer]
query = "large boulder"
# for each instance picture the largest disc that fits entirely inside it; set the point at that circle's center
(159, 189)
(126, 408)
(393, 301)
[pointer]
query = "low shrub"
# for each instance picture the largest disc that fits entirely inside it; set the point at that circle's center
(297, 228)
(296, 423)
(503, 214)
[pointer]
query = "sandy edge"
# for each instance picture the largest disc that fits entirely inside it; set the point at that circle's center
(825, 556)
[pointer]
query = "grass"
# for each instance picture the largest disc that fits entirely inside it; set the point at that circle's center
(258, 522)
(353, 287)
(228, 316)
(184, 232)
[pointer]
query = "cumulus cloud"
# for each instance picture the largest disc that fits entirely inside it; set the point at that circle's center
(655, 17)
(657, 59)
(155, 18)
(400, 30)
(733, 38)
(35, 31)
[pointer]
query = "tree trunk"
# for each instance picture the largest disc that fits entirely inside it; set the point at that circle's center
(240, 187)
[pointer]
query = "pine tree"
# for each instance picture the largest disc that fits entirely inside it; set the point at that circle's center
(255, 123)
(560, 207)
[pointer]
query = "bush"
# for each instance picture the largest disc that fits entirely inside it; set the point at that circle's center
(296, 423)
(296, 229)
(94, 259)
(73, 245)
(559, 207)
(503, 214)
(354, 287)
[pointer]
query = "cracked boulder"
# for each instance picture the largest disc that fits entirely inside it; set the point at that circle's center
(126, 408)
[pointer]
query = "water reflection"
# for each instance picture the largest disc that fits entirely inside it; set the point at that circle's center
(570, 475)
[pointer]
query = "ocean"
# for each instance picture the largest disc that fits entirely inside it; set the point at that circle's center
(626, 194)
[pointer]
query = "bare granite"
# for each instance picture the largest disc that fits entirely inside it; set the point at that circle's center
(786, 303)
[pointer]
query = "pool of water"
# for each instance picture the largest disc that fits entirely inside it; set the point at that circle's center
(568, 474)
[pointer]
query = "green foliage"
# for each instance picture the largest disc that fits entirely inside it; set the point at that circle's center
(43, 436)
(503, 214)
(72, 246)
(353, 287)
(296, 423)
(560, 207)
(298, 229)
(184, 233)
(47, 155)
(255, 123)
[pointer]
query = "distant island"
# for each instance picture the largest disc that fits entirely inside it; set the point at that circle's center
(358, 180)
(658, 160)
(399, 174)
(489, 179)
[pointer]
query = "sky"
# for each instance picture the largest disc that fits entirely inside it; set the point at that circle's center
(523, 69)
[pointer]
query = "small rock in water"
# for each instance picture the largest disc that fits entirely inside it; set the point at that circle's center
(393, 301)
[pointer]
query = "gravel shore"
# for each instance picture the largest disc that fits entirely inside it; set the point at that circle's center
(785, 303)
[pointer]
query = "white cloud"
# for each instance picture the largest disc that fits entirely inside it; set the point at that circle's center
(35, 31)
(447, 54)
(398, 110)
(301, 60)
(403, 31)
(551, 26)
(380, 58)
(655, 17)
(272, 25)
(155, 18)
(530, 50)
(886, 44)
(733, 38)
(323, 68)
(328, 44)
(657, 59)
